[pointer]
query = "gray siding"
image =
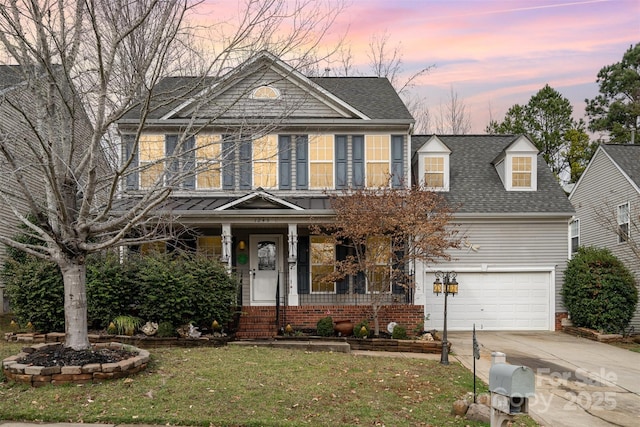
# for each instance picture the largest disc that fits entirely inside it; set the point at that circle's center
(519, 243)
(293, 102)
(596, 198)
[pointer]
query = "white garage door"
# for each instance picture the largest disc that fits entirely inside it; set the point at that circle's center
(494, 301)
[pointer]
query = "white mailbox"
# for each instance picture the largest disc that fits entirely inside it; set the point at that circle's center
(511, 386)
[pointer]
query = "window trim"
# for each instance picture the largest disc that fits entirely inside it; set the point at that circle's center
(325, 240)
(622, 222)
(573, 236)
(445, 168)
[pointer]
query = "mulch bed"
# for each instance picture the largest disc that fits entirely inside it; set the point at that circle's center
(64, 356)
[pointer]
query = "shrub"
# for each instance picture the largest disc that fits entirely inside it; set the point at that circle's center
(36, 291)
(183, 288)
(110, 290)
(324, 327)
(399, 333)
(357, 330)
(599, 291)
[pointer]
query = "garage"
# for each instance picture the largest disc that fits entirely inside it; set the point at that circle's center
(506, 301)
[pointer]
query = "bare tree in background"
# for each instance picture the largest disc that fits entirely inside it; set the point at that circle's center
(84, 65)
(452, 117)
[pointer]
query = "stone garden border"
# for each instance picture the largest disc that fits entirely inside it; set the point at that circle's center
(38, 376)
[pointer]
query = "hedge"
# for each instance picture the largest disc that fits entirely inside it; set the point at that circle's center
(176, 288)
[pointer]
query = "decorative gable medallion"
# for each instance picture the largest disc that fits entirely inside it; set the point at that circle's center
(266, 93)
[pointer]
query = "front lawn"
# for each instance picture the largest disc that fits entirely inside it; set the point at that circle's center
(233, 386)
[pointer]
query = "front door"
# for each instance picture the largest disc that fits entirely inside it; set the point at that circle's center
(266, 266)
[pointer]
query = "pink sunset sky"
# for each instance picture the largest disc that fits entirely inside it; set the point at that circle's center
(493, 54)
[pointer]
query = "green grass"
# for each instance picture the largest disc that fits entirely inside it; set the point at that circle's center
(255, 386)
(233, 386)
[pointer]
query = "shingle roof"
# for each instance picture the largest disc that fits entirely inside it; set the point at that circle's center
(627, 156)
(475, 186)
(374, 96)
(10, 75)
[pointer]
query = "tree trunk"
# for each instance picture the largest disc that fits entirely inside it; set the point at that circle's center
(75, 305)
(376, 321)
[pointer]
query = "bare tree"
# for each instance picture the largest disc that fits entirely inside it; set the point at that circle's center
(84, 65)
(452, 117)
(387, 231)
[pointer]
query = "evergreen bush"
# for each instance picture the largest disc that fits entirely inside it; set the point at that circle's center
(324, 327)
(599, 291)
(358, 332)
(399, 333)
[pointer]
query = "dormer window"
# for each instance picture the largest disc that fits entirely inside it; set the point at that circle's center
(517, 165)
(433, 165)
(265, 92)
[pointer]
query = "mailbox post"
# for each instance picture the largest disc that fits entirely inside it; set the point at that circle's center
(511, 386)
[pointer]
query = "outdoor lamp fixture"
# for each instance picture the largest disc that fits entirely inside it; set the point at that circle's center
(448, 285)
(242, 245)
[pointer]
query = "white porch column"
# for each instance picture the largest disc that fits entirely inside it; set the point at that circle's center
(293, 265)
(226, 246)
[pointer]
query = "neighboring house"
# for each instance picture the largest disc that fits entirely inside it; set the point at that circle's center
(607, 203)
(11, 80)
(268, 144)
(18, 114)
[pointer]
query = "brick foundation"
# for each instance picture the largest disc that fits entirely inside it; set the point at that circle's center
(559, 317)
(306, 317)
(37, 376)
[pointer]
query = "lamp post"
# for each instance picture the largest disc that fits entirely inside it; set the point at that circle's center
(449, 285)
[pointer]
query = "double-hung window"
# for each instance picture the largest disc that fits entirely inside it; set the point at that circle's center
(434, 172)
(623, 222)
(265, 162)
(377, 160)
(521, 172)
(209, 246)
(323, 255)
(321, 149)
(378, 254)
(208, 167)
(151, 156)
(575, 235)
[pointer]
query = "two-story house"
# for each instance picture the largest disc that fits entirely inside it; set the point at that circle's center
(607, 203)
(266, 143)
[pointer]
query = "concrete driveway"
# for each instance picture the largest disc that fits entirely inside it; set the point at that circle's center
(579, 382)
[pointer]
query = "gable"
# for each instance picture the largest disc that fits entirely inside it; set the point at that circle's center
(240, 100)
(258, 200)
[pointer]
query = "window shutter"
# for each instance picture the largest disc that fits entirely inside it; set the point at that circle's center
(188, 159)
(228, 164)
(357, 142)
(303, 264)
(302, 162)
(396, 288)
(397, 161)
(130, 150)
(284, 160)
(245, 164)
(170, 144)
(342, 286)
(341, 162)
